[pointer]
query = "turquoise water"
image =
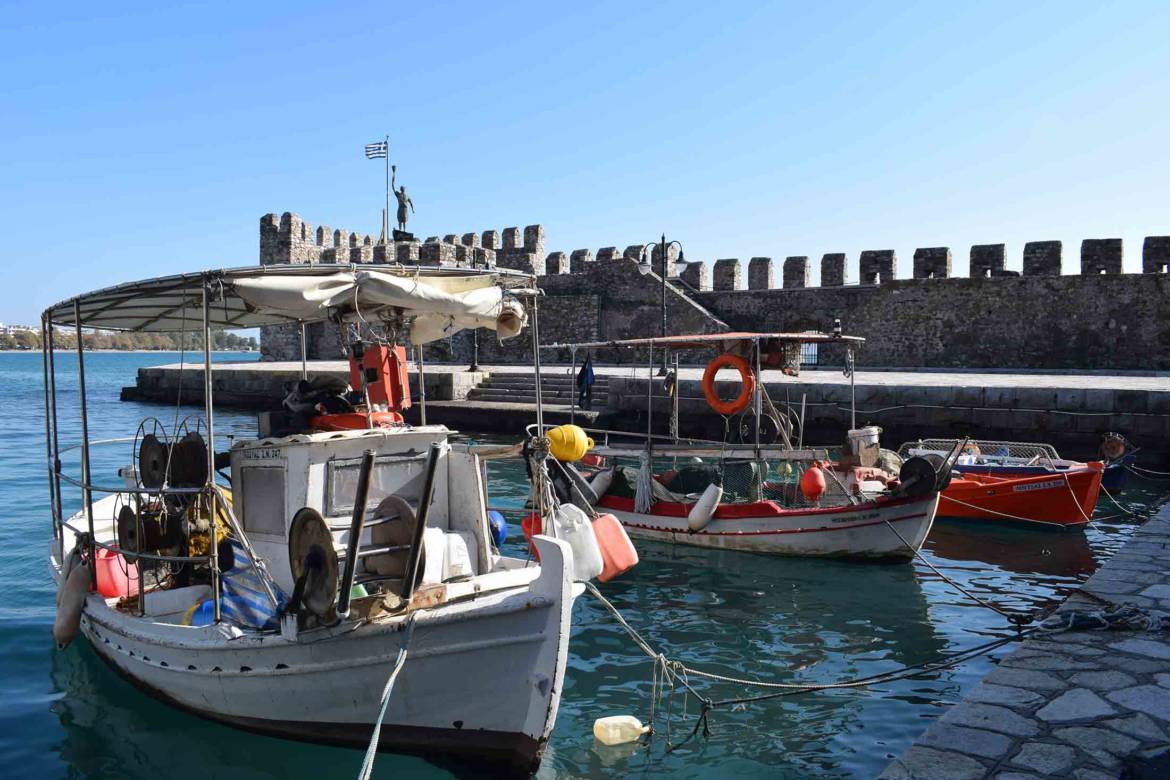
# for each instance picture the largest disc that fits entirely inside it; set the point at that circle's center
(67, 715)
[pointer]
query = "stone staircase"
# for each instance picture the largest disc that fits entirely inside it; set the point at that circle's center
(557, 386)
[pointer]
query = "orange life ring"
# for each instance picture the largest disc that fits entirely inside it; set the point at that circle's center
(746, 388)
(353, 421)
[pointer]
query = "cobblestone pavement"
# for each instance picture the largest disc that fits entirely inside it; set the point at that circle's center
(1074, 704)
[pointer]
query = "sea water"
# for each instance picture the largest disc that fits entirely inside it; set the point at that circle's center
(65, 714)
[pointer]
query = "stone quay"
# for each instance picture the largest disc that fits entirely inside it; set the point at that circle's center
(1083, 704)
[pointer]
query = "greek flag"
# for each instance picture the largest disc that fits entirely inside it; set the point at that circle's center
(376, 151)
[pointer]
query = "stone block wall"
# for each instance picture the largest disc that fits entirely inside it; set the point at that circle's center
(986, 260)
(1098, 319)
(697, 276)
(760, 273)
(727, 275)
(932, 263)
(1042, 258)
(1101, 256)
(796, 273)
(877, 266)
(833, 271)
(1156, 255)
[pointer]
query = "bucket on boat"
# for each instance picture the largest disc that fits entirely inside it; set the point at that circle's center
(201, 613)
(864, 443)
(531, 525)
(617, 551)
(116, 576)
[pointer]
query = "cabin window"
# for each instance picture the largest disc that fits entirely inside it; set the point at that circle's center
(263, 490)
(401, 475)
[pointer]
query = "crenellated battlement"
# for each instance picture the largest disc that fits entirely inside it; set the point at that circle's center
(1099, 318)
(290, 239)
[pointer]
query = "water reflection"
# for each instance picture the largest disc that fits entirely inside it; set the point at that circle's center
(113, 730)
(1020, 550)
(744, 615)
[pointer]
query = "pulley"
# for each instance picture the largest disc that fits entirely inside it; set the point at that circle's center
(313, 561)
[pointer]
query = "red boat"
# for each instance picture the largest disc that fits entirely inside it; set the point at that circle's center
(1065, 499)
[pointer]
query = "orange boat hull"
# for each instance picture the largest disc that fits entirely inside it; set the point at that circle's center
(1061, 499)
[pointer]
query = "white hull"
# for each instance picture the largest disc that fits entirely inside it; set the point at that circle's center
(862, 531)
(483, 677)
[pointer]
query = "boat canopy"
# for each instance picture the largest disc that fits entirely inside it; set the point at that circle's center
(438, 301)
(722, 340)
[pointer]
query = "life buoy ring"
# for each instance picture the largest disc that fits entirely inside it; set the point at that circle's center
(1113, 446)
(747, 385)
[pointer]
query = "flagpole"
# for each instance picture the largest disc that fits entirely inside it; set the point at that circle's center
(386, 213)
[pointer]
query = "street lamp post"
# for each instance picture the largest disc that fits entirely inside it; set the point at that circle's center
(474, 350)
(644, 268)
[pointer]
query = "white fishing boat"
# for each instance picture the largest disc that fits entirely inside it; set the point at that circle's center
(343, 544)
(761, 491)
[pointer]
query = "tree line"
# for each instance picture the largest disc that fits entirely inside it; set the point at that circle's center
(104, 339)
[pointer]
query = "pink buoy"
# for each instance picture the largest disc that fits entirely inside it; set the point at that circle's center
(617, 551)
(116, 576)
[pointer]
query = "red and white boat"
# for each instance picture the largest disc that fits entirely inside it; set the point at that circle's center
(862, 530)
(762, 490)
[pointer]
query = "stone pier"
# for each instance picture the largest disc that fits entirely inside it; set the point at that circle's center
(1086, 704)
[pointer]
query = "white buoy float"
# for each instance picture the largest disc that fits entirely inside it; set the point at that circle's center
(70, 602)
(704, 509)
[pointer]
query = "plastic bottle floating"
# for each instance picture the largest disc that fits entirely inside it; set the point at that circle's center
(618, 729)
(569, 443)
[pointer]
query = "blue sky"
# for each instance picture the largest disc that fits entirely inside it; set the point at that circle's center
(138, 140)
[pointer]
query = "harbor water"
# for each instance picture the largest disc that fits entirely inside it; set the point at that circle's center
(776, 619)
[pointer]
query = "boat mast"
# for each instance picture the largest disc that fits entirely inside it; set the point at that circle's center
(210, 493)
(50, 427)
(86, 493)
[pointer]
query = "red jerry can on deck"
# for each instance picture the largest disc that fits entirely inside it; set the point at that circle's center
(617, 551)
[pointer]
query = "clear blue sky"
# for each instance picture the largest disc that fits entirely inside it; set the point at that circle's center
(137, 141)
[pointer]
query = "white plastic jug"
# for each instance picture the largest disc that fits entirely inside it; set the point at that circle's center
(618, 729)
(574, 527)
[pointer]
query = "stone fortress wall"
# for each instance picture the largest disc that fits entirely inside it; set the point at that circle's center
(1099, 319)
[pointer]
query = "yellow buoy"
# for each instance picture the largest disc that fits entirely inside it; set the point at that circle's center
(569, 443)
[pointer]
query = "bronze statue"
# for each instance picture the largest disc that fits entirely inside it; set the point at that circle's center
(403, 199)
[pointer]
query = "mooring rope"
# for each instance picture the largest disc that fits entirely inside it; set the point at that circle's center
(399, 662)
(676, 671)
(1139, 471)
(1118, 504)
(1012, 517)
(1017, 619)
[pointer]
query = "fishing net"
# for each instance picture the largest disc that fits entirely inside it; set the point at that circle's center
(683, 480)
(1008, 453)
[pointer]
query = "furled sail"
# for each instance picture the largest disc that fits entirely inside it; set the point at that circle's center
(439, 306)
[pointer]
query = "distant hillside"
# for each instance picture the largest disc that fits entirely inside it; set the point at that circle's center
(220, 340)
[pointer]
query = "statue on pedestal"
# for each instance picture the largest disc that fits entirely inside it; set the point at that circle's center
(403, 199)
